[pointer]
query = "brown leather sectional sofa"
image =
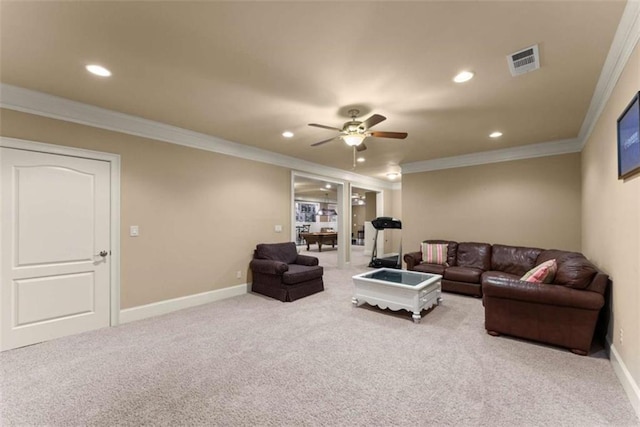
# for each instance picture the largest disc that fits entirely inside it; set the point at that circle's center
(562, 313)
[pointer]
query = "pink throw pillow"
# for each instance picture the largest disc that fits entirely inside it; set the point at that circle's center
(434, 253)
(543, 273)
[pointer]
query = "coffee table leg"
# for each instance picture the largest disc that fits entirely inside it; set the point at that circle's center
(416, 317)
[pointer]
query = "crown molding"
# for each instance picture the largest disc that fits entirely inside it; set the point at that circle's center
(625, 40)
(54, 107)
(553, 148)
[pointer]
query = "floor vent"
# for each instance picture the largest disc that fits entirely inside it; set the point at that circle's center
(524, 60)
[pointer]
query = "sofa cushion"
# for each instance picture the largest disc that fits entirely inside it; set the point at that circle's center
(463, 274)
(513, 259)
(430, 268)
(452, 250)
(301, 273)
(574, 270)
(497, 275)
(434, 253)
(543, 273)
(285, 252)
(508, 289)
(476, 255)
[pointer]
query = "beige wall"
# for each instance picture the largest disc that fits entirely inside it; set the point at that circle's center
(611, 219)
(370, 206)
(396, 203)
(532, 202)
(392, 208)
(200, 213)
(357, 220)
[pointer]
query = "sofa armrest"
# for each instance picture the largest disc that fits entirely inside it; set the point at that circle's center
(306, 260)
(267, 266)
(412, 259)
(539, 293)
(599, 283)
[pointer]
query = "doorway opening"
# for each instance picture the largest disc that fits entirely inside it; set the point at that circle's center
(309, 192)
(318, 217)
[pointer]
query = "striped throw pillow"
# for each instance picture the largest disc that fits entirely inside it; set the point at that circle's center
(543, 273)
(434, 253)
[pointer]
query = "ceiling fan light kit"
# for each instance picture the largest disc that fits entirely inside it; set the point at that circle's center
(354, 132)
(353, 139)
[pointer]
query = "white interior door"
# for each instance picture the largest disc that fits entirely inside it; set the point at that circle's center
(54, 225)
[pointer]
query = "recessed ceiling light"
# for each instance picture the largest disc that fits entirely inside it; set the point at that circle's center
(393, 175)
(360, 159)
(287, 134)
(463, 76)
(495, 134)
(98, 70)
(327, 186)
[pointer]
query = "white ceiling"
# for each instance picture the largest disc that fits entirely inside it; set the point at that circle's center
(247, 71)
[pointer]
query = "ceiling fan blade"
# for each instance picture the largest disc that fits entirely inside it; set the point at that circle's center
(361, 147)
(325, 127)
(397, 135)
(323, 142)
(372, 121)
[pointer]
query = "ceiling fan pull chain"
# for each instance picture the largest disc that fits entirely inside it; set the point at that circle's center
(354, 156)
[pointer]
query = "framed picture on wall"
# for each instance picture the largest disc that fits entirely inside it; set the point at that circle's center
(629, 139)
(306, 211)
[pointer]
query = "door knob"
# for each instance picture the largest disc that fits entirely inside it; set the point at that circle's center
(103, 253)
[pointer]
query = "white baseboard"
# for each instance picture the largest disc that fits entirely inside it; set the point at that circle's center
(163, 307)
(625, 378)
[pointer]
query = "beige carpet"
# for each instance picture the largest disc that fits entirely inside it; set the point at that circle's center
(252, 360)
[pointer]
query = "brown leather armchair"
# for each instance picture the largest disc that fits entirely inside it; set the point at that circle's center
(281, 273)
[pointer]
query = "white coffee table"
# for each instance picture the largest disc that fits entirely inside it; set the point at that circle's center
(398, 290)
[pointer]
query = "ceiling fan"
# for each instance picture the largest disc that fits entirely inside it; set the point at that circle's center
(354, 131)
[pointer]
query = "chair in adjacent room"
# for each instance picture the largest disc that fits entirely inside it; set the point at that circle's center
(281, 273)
(304, 228)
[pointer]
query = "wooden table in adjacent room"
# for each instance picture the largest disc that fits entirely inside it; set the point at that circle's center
(320, 239)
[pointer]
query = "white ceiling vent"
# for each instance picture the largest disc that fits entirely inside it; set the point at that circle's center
(524, 60)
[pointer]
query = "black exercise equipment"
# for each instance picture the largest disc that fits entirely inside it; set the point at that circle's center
(383, 223)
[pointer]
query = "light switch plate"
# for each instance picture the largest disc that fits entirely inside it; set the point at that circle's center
(134, 231)
(278, 228)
